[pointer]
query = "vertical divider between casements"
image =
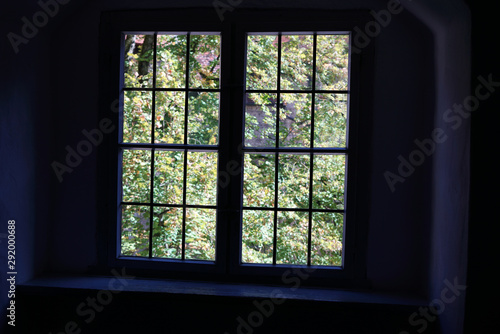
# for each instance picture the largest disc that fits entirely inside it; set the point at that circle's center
(346, 153)
(119, 152)
(311, 155)
(276, 154)
(186, 118)
(152, 172)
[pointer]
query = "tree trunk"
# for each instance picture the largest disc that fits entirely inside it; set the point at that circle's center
(146, 56)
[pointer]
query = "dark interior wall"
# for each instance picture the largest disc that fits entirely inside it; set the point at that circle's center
(74, 66)
(178, 313)
(26, 130)
(403, 108)
(451, 195)
(450, 23)
(49, 96)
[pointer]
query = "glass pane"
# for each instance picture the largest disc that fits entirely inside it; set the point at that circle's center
(326, 238)
(328, 183)
(295, 120)
(138, 64)
(204, 61)
(330, 120)
(296, 61)
(203, 123)
(260, 120)
(291, 242)
(201, 180)
(293, 184)
(135, 231)
(262, 61)
(171, 61)
(257, 236)
(167, 233)
(200, 234)
(258, 184)
(136, 173)
(137, 108)
(332, 62)
(167, 188)
(169, 123)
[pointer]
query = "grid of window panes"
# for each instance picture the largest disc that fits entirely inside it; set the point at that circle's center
(169, 145)
(295, 148)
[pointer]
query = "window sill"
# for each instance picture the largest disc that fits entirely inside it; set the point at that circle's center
(46, 284)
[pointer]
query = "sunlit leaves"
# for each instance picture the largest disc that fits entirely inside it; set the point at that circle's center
(168, 189)
(328, 183)
(258, 181)
(135, 230)
(330, 119)
(332, 62)
(167, 232)
(204, 61)
(171, 61)
(293, 181)
(295, 120)
(203, 123)
(296, 61)
(262, 62)
(136, 172)
(138, 60)
(169, 117)
(327, 238)
(260, 120)
(137, 115)
(201, 180)
(292, 237)
(169, 176)
(200, 234)
(257, 233)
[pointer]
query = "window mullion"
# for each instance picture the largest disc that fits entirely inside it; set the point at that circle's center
(184, 193)
(276, 157)
(311, 154)
(185, 157)
(186, 92)
(152, 173)
(151, 207)
(232, 148)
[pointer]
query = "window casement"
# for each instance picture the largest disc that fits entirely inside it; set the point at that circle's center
(237, 148)
(169, 147)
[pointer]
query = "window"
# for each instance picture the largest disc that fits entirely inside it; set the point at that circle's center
(295, 148)
(170, 145)
(237, 148)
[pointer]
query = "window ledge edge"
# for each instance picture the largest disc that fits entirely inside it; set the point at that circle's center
(123, 283)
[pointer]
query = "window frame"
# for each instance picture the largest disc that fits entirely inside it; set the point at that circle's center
(232, 86)
(155, 146)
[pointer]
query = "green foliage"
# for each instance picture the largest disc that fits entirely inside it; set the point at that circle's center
(263, 128)
(169, 122)
(167, 235)
(136, 173)
(257, 236)
(200, 234)
(135, 230)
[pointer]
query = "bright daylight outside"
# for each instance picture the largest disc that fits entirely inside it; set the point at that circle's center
(294, 152)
